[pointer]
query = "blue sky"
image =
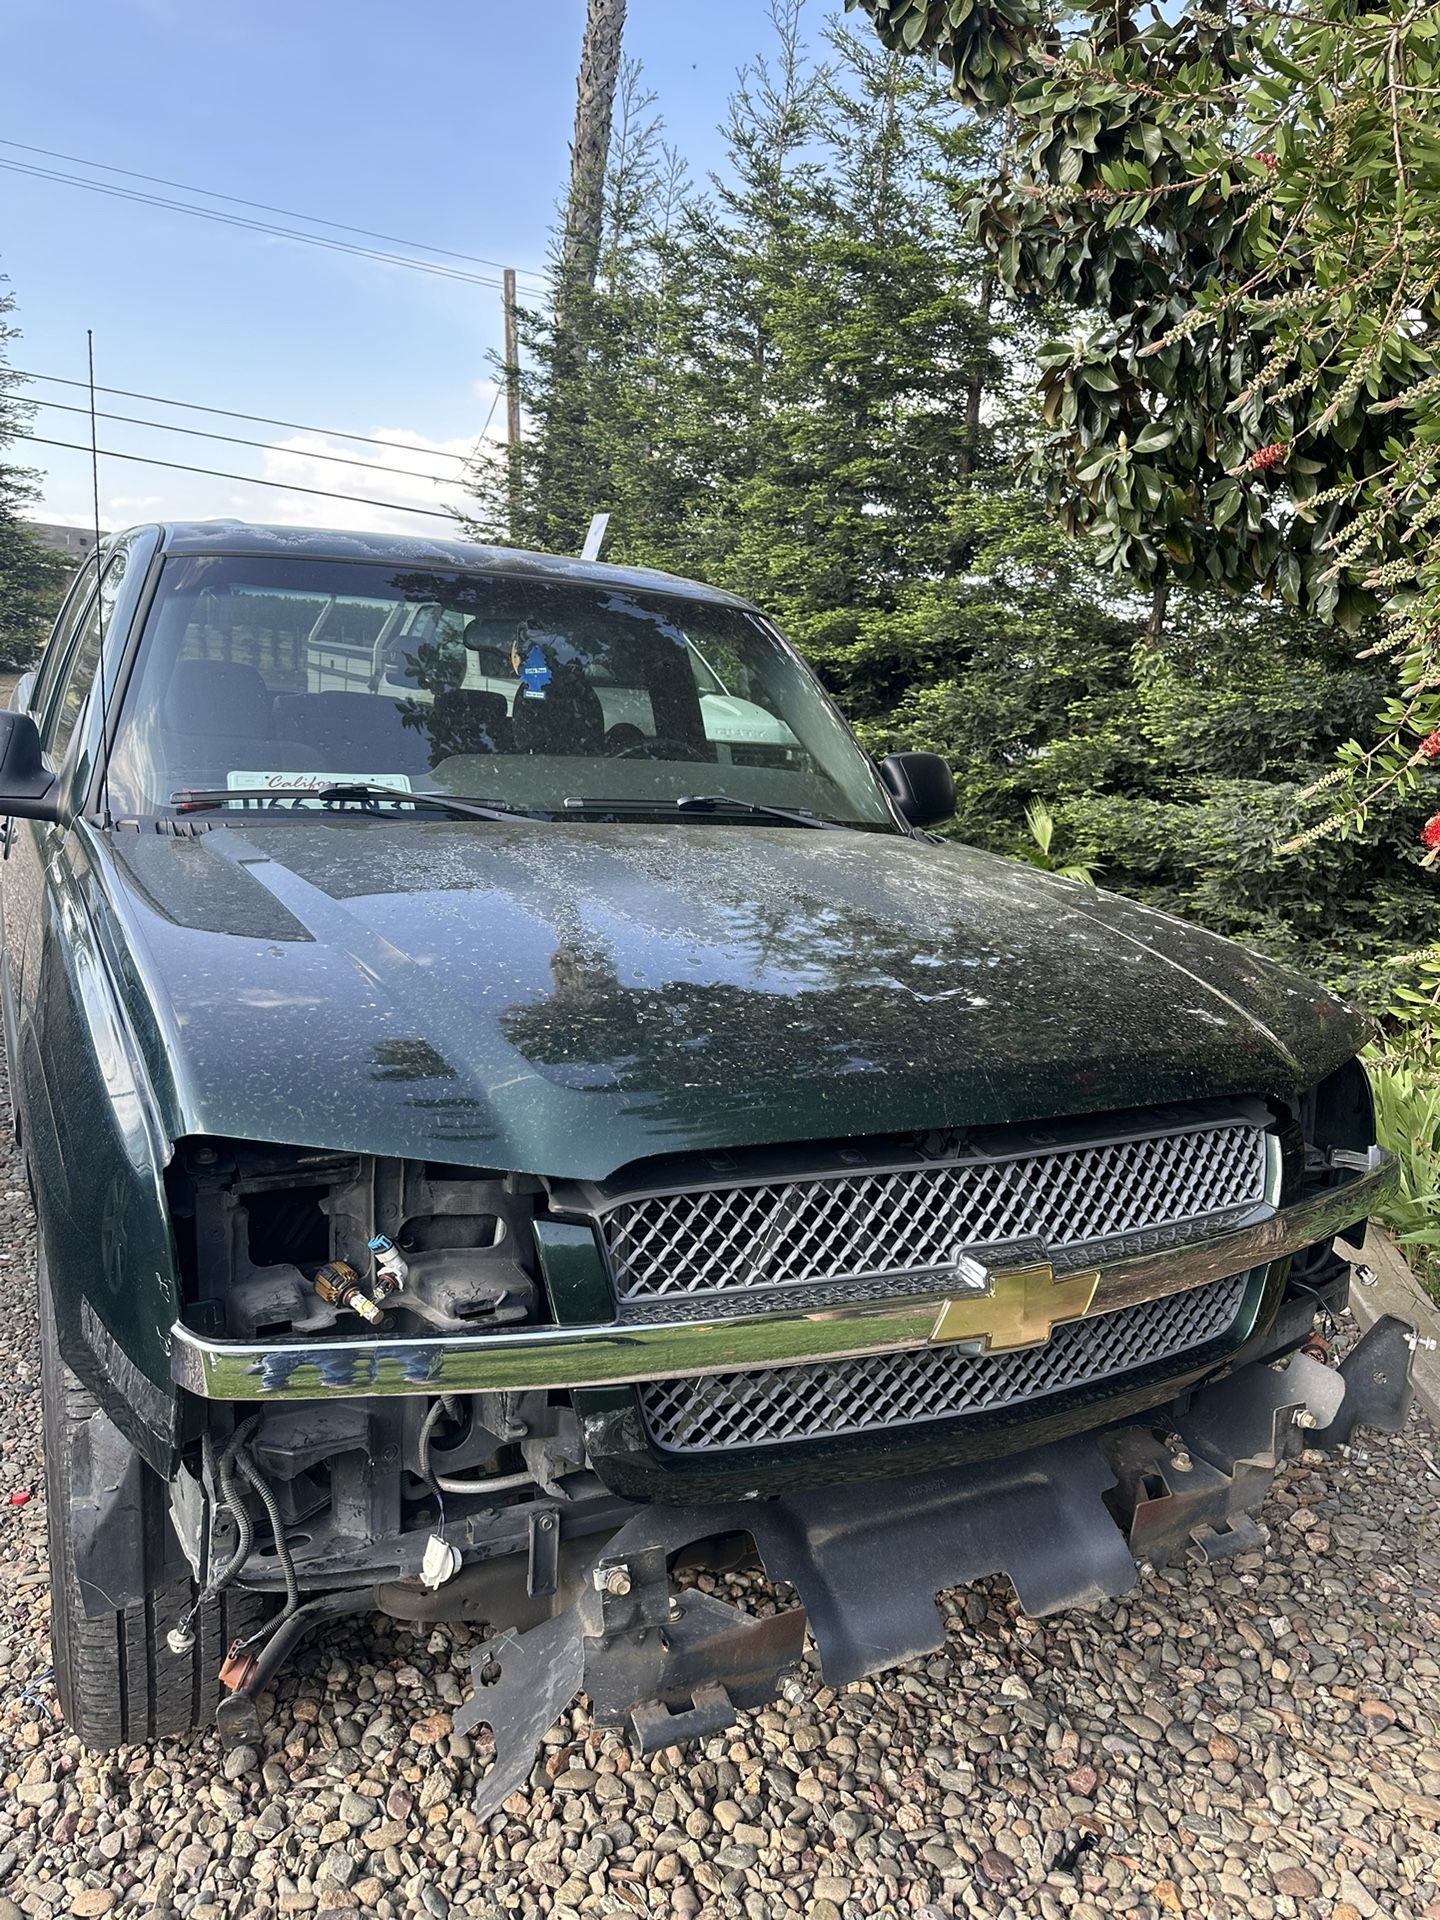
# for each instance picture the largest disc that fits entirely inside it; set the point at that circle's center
(446, 121)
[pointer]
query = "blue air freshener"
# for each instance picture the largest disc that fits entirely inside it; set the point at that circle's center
(535, 676)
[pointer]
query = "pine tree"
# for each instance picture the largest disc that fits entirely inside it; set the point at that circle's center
(31, 577)
(1173, 769)
(853, 308)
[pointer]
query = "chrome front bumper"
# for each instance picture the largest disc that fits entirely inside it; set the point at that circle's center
(612, 1353)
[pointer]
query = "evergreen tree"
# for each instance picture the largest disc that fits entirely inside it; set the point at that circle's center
(743, 409)
(1174, 768)
(31, 577)
(595, 387)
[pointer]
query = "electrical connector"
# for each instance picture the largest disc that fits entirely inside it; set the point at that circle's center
(441, 1562)
(391, 1268)
(338, 1285)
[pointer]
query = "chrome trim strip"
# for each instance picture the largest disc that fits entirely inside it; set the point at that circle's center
(607, 1354)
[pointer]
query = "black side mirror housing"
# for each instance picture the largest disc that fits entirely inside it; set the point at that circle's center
(921, 785)
(27, 787)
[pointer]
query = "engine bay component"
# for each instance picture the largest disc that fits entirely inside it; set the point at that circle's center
(441, 1563)
(276, 1241)
(338, 1285)
(391, 1267)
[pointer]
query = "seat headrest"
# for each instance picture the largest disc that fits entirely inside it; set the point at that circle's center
(354, 730)
(465, 720)
(219, 697)
(487, 633)
(568, 720)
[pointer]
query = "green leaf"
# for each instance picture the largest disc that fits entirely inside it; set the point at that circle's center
(1227, 504)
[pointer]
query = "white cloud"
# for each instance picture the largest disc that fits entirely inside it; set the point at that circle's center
(132, 506)
(53, 517)
(408, 471)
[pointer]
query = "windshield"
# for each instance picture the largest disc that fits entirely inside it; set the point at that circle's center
(290, 675)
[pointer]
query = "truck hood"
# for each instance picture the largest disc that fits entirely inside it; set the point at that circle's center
(563, 998)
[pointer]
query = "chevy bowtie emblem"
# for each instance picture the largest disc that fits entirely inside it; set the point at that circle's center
(1015, 1301)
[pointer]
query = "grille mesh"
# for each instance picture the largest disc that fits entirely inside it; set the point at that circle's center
(915, 1220)
(778, 1405)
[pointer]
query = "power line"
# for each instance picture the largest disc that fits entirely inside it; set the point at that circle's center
(494, 402)
(244, 479)
(253, 226)
(265, 446)
(223, 413)
(262, 206)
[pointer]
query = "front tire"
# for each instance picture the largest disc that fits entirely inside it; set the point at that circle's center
(118, 1681)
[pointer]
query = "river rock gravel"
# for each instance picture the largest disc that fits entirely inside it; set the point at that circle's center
(1257, 1738)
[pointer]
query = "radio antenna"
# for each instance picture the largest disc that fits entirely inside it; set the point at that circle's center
(99, 593)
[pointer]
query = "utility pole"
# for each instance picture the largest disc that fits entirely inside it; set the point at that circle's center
(512, 404)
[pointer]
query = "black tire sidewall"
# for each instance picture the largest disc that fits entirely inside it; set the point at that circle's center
(117, 1678)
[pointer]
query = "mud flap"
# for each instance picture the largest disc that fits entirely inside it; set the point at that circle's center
(1065, 1523)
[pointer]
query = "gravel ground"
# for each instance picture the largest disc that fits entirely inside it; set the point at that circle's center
(1262, 1739)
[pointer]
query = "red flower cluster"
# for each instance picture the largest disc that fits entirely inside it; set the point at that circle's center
(1268, 160)
(1268, 457)
(1429, 748)
(1430, 832)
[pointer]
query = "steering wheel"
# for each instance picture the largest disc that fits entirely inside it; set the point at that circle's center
(664, 746)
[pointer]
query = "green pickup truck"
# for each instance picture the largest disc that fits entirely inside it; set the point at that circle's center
(506, 1130)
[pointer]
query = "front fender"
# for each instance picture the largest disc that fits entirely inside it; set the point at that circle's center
(97, 1154)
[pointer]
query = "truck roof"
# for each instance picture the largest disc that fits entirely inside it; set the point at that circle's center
(421, 550)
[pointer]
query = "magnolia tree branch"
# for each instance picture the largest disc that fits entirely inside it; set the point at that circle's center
(1245, 210)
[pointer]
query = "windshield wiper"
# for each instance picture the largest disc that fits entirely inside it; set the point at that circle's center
(705, 803)
(195, 799)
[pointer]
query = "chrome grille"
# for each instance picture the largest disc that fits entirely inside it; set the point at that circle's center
(780, 1405)
(914, 1220)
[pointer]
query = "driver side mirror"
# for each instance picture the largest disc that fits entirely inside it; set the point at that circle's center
(27, 787)
(921, 785)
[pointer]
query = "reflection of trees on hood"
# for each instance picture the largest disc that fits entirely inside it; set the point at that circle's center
(806, 966)
(434, 1087)
(415, 1059)
(639, 1039)
(583, 972)
(832, 988)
